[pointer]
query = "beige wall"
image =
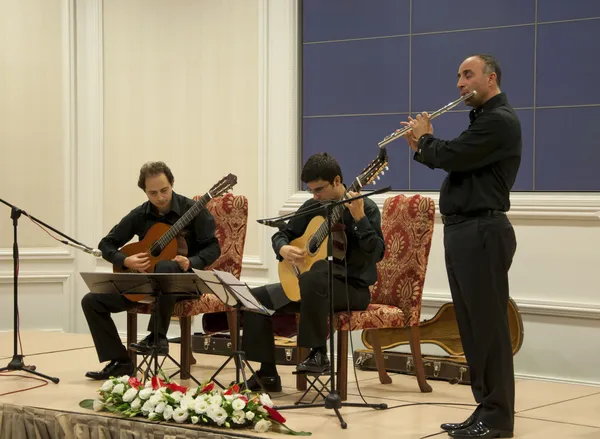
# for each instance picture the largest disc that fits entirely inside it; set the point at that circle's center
(33, 134)
(181, 87)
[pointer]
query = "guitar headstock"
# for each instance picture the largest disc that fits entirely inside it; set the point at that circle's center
(223, 186)
(374, 168)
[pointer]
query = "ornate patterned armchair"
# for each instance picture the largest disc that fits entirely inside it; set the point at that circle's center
(231, 218)
(407, 224)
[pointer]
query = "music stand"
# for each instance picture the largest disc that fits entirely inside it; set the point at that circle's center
(333, 400)
(232, 292)
(186, 285)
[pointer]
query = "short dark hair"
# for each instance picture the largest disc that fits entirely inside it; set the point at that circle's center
(321, 166)
(151, 169)
(491, 65)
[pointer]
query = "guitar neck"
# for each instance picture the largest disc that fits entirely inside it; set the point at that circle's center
(336, 215)
(184, 220)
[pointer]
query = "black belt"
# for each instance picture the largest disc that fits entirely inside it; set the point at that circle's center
(459, 218)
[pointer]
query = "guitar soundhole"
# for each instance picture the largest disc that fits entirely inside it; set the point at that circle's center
(155, 250)
(312, 246)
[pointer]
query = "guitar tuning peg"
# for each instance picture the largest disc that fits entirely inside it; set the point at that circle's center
(387, 168)
(382, 172)
(378, 177)
(374, 183)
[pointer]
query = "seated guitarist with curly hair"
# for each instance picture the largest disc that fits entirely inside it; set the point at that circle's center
(360, 227)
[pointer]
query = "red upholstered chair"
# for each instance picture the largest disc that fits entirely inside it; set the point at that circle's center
(407, 225)
(231, 219)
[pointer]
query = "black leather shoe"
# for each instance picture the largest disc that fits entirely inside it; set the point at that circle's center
(115, 368)
(145, 346)
(317, 362)
(479, 430)
(465, 424)
(272, 384)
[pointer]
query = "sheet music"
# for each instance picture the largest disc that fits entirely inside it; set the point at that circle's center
(216, 287)
(242, 292)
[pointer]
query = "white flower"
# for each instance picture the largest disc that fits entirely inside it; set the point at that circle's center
(195, 419)
(191, 392)
(148, 384)
(217, 414)
(148, 407)
(238, 404)
(266, 400)
(200, 406)
(130, 395)
(229, 397)
(216, 399)
(262, 426)
(152, 416)
(177, 396)
(249, 416)
(124, 379)
(187, 402)
(136, 404)
(107, 386)
(238, 416)
(168, 412)
(98, 405)
(146, 393)
(157, 397)
(180, 415)
(118, 389)
(261, 409)
(160, 407)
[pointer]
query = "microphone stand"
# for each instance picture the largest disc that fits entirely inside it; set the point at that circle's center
(333, 399)
(17, 361)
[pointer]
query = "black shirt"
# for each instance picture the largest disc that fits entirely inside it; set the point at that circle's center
(365, 245)
(203, 245)
(482, 162)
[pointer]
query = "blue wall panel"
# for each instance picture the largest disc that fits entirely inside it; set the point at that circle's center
(381, 59)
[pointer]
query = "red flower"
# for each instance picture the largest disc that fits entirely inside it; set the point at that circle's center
(174, 387)
(234, 389)
(135, 383)
(243, 398)
(274, 414)
(208, 388)
(157, 383)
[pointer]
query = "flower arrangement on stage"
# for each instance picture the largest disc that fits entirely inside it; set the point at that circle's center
(162, 400)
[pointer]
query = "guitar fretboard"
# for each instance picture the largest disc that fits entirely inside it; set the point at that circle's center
(323, 230)
(183, 221)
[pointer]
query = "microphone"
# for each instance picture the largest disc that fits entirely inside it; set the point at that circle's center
(92, 251)
(280, 224)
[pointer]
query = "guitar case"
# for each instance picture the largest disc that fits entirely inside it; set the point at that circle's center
(441, 330)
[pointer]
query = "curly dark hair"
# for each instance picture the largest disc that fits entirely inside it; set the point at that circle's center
(151, 169)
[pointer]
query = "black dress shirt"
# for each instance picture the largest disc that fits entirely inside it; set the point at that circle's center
(365, 245)
(482, 163)
(203, 245)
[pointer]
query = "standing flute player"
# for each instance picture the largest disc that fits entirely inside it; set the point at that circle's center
(479, 240)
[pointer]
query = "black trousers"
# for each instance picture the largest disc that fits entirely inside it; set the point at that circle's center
(97, 308)
(479, 252)
(258, 340)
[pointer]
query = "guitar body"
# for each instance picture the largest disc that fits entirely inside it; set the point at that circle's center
(143, 246)
(442, 330)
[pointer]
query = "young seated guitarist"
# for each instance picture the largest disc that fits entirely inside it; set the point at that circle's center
(166, 206)
(361, 224)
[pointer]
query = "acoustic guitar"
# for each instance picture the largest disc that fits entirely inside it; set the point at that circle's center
(315, 237)
(161, 240)
(442, 330)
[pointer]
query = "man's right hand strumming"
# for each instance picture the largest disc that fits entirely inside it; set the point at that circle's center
(138, 262)
(292, 254)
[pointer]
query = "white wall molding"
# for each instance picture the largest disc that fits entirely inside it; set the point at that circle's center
(37, 253)
(523, 205)
(34, 278)
(541, 307)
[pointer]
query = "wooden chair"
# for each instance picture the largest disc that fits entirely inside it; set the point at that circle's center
(231, 219)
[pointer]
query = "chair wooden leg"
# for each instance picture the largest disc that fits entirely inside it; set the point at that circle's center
(384, 378)
(415, 349)
(342, 364)
(132, 336)
(185, 324)
(302, 354)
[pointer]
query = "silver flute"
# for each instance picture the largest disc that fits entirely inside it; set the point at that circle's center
(399, 133)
